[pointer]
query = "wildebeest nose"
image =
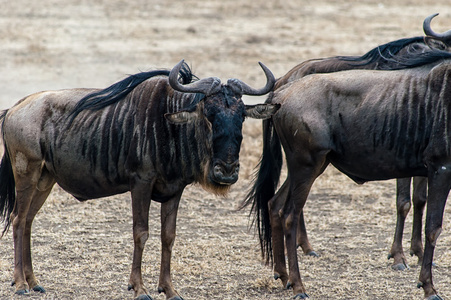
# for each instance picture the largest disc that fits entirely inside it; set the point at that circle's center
(226, 173)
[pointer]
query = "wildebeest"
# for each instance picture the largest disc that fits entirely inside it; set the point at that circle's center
(369, 124)
(148, 134)
(389, 56)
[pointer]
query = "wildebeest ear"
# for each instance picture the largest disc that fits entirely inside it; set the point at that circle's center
(261, 111)
(182, 117)
(435, 43)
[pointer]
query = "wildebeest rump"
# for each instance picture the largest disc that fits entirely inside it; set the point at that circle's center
(371, 125)
(391, 56)
(148, 134)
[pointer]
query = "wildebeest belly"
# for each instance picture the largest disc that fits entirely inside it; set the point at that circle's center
(84, 186)
(362, 164)
(374, 142)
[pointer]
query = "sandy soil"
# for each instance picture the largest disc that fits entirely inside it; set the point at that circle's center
(84, 250)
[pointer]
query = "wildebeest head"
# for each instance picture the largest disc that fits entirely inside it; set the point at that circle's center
(220, 116)
(441, 41)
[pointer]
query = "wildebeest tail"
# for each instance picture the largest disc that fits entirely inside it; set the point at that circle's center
(7, 185)
(264, 186)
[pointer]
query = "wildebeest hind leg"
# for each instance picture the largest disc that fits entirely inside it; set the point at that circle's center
(302, 175)
(277, 236)
(28, 201)
(36, 204)
(168, 225)
(302, 237)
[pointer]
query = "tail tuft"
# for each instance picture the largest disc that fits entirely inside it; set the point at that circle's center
(264, 187)
(7, 186)
(7, 191)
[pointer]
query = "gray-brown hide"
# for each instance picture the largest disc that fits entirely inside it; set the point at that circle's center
(146, 134)
(371, 125)
(389, 56)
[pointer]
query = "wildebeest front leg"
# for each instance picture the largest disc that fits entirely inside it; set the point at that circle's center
(141, 191)
(439, 182)
(402, 209)
(419, 202)
(168, 225)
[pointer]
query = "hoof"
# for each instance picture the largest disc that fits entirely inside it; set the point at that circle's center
(22, 292)
(301, 296)
(130, 287)
(434, 297)
(38, 288)
(313, 254)
(289, 286)
(400, 267)
(161, 290)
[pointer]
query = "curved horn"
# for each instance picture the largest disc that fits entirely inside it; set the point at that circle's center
(429, 32)
(247, 90)
(207, 86)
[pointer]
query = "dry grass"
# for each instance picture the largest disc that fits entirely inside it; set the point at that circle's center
(84, 250)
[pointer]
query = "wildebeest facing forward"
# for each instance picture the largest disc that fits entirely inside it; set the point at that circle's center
(390, 56)
(371, 125)
(148, 134)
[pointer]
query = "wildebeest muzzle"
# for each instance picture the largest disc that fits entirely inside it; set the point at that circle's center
(225, 173)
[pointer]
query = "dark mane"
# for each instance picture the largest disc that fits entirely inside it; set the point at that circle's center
(119, 90)
(382, 53)
(389, 56)
(414, 58)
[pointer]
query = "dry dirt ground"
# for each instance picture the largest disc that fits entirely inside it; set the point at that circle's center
(83, 250)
